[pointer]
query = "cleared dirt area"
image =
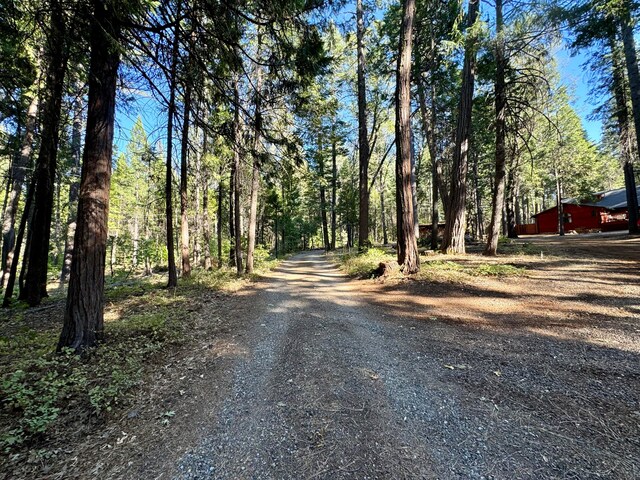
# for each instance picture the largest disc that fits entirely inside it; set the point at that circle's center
(309, 374)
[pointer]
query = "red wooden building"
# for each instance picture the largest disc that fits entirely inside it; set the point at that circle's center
(607, 211)
(576, 217)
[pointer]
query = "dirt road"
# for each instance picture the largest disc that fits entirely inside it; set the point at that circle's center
(315, 376)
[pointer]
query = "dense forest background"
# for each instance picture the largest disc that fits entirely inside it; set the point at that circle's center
(245, 130)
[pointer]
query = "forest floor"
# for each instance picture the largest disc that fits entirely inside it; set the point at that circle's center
(522, 366)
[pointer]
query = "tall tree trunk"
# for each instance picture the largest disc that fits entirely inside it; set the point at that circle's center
(232, 230)
(559, 204)
(206, 224)
(74, 188)
(408, 255)
(168, 189)
(428, 127)
(334, 187)
(197, 220)
(363, 136)
(383, 216)
(323, 203)
(40, 227)
(455, 224)
(478, 200)
(184, 199)
(512, 191)
(628, 41)
(237, 138)
(18, 173)
(255, 173)
(219, 217)
(497, 200)
(624, 131)
(83, 318)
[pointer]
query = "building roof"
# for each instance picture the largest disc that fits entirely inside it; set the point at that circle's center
(611, 199)
(607, 199)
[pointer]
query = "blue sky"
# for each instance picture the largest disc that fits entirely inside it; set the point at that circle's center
(573, 74)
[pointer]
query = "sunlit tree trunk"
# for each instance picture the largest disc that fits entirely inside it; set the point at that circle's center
(497, 200)
(407, 244)
(455, 224)
(184, 172)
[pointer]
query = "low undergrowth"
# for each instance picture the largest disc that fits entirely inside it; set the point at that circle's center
(42, 393)
(432, 268)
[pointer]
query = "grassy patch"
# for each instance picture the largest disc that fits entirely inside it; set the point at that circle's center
(449, 270)
(42, 392)
(362, 265)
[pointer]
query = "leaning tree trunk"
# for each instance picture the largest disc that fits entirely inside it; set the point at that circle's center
(455, 223)
(407, 244)
(363, 137)
(497, 200)
(83, 318)
(18, 173)
(184, 199)
(74, 188)
(35, 288)
(168, 187)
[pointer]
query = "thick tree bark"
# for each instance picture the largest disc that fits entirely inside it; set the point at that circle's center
(408, 255)
(363, 136)
(497, 200)
(168, 189)
(624, 131)
(83, 318)
(184, 198)
(74, 188)
(631, 60)
(18, 173)
(456, 214)
(40, 226)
